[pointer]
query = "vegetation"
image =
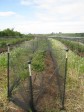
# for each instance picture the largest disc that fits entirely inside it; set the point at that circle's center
(35, 50)
(10, 32)
(74, 34)
(73, 45)
(75, 80)
(38, 61)
(19, 57)
(60, 34)
(11, 37)
(13, 41)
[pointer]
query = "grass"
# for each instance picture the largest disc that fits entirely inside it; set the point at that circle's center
(38, 61)
(39, 56)
(75, 79)
(12, 41)
(19, 57)
(3, 60)
(73, 45)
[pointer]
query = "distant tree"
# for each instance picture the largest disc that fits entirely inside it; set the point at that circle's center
(10, 32)
(52, 33)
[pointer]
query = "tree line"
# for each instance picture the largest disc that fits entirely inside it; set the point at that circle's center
(10, 32)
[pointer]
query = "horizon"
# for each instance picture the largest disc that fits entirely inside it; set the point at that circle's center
(53, 33)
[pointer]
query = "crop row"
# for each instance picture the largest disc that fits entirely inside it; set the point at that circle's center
(73, 45)
(76, 39)
(34, 49)
(19, 57)
(75, 75)
(12, 41)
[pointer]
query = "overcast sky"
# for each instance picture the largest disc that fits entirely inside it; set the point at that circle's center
(42, 16)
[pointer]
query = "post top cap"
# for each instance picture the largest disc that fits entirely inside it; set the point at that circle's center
(29, 62)
(67, 49)
(8, 44)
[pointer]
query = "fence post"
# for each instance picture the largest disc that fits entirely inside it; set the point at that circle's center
(64, 89)
(8, 72)
(30, 87)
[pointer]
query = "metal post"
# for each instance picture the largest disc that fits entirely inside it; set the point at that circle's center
(8, 79)
(30, 85)
(63, 99)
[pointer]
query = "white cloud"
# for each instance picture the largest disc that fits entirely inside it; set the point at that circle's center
(57, 10)
(38, 3)
(26, 2)
(8, 13)
(48, 27)
(49, 16)
(45, 27)
(54, 16)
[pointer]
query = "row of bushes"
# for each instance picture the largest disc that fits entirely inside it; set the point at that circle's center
(9, 36)
(13, 41)
(74, 46)
(10, 32)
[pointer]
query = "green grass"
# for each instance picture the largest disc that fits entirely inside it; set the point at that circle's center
(38, 61)
(38, 64)
(19, 57)
(73, 45)
(13, 41)
(75, 62)
(3, 60)
(18, 68)
(75, 78)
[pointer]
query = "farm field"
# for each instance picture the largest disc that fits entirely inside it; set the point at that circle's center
(48, 57)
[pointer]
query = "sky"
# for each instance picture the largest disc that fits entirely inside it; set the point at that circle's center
(42, 16)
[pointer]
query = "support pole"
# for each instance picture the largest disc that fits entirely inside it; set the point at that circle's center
(63, 99)
(31, 89)
(8, 78)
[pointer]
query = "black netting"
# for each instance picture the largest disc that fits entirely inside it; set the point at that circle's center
(20, 82)
(59, 58)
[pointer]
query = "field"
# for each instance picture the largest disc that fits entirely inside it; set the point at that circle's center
(48, 57)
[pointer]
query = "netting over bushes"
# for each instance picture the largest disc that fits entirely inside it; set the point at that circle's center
(59, 59)
(19, 79)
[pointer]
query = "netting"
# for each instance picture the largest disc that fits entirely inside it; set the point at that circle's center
(18, 71)
(30, 93)
(19, 74)
(76, 44)
(59, 59)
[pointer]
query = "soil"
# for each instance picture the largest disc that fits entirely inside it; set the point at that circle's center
(81, 54)
(45, 90)
(48, 100)
(3, 50)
